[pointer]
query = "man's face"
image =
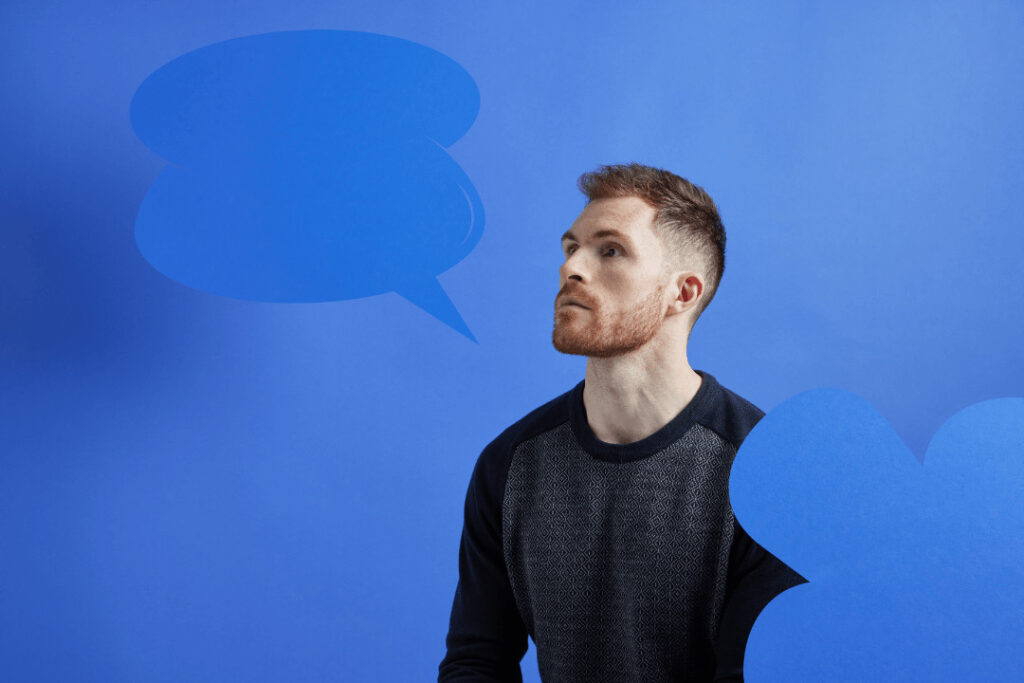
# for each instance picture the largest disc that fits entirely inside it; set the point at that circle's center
(616, 277)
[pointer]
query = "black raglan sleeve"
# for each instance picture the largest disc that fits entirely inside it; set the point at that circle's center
(755, 578)
(486, 636)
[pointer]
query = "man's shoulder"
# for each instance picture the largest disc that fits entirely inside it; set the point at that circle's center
(496, 455)
(731, 416)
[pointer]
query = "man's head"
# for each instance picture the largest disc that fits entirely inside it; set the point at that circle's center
(661, 270)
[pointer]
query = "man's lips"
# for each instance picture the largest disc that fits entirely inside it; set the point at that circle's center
(571, 301)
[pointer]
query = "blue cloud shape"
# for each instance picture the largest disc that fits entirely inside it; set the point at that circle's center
(916, 572)
(309, 166)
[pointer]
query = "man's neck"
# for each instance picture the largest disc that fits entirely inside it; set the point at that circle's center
(628, 398)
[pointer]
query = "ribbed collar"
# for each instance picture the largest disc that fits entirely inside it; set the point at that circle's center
(702, 402)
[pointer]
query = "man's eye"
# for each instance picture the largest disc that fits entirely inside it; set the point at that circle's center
(570, 249)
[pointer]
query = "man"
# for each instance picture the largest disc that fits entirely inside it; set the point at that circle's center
(599, 524)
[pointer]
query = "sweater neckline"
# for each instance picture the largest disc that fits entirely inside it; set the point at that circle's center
(698, 406)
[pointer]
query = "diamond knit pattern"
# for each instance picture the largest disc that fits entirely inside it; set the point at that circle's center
(619, 568)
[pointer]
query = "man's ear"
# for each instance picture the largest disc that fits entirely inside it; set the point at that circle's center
(689, 286)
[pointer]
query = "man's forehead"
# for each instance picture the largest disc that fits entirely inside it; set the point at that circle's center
(619, 208)
(622, 217)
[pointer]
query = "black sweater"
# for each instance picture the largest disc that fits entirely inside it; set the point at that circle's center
(623, 562)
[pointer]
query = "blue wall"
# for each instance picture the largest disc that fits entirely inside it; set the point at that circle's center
(206, 480)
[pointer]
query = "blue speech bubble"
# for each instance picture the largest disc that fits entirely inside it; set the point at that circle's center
(915, 572)
(309, 166)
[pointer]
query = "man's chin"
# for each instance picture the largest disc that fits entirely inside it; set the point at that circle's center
(569, 346)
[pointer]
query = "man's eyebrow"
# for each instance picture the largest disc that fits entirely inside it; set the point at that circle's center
(568, 235)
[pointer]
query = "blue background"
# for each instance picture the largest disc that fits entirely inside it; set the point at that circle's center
(201, 487)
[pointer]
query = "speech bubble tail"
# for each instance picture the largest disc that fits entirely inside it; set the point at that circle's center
(431, 297)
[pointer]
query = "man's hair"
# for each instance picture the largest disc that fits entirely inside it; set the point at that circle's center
(686, 218)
